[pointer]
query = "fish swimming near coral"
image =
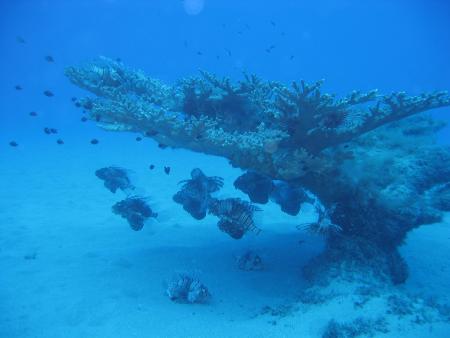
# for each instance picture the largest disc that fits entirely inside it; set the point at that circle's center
(235, 216)
(195, 193)
(323, 225)
(293, 133)
(115, 178)
(257, 186)
(135, 210)
(260, 188)
(200, 181)
(289, 198)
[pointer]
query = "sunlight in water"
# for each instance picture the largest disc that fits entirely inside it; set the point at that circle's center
(193, 7)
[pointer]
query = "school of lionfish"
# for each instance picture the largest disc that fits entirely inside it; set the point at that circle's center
(235, 215)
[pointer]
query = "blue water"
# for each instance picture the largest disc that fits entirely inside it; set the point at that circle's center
(69, 267)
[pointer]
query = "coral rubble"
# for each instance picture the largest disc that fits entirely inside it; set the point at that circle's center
(370, 159)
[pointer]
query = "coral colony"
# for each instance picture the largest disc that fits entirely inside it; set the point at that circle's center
(369, 159)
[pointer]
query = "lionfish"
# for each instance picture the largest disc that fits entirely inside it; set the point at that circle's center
(200, 181)
(186, 289)
(135, 210)
(195, 193)
(115, 178)
(235, 216)
(323, 226)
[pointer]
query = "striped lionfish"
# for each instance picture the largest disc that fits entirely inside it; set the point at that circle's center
(235, 216)
(195, 193)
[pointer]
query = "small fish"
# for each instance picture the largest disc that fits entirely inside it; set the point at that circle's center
(199, 53)
(84, 119)
(20, 39)
(151, 167)
(138, 138)
(30, 256)
(77, 104)
(273, 23)
(48, 93)
(292, 57)
(228, 51)
(162, 145)
(53, 130)
(88, 105)
(47, 131)
(94, 141)
(13, 144)
(167, 170)
(17, 87)
(118, 60)
(73, 99)
(59, 141)
(268, 50)
(49, 58)
(33, 113)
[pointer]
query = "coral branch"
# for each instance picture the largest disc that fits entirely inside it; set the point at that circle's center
(372, 164)
(256, 124)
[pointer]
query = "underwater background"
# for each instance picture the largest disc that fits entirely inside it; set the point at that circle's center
(71, 267)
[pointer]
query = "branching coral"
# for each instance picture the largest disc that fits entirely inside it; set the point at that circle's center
(368, 154)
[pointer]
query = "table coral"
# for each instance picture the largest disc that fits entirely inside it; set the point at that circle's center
(371, 160)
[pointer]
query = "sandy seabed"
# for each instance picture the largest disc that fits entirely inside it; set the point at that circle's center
(69, 267)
